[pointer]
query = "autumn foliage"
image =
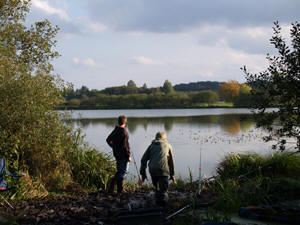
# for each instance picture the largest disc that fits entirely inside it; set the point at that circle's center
(230, 90)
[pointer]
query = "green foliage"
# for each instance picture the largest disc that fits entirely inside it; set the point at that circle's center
(143, 100)
(279, 86)
(89, 167)
(198, 86)
(131, 84)
(251, 179)
(243, 100)
(235, 165)
(245, 89)
(167, 87)
(228, 198)
(28, 91)
(33, 137)
(204, 97)
(129, 96)
(144, 86)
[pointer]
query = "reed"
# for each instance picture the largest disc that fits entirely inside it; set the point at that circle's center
(91, 169)
(252, 179)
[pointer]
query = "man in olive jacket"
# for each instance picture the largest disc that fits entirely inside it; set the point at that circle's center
(161, 166)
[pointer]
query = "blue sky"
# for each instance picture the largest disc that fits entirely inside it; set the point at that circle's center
(106, 43)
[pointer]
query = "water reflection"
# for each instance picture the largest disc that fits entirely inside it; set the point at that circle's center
(214, 135)
(230, 124)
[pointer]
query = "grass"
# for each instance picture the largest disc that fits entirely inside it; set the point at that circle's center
(243, 180)
(213, 105)
(252, 179)
(91, 169)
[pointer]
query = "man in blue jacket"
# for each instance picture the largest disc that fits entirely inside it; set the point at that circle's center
(118, 141)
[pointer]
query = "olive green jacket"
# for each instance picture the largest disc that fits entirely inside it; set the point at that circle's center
(160, 157)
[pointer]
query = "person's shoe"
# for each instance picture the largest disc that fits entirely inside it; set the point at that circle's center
(112, 186)
(120, 186)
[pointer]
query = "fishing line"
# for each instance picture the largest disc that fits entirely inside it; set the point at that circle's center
(137, 171)
(200, 173)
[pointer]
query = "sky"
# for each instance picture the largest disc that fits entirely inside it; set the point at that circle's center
(105, 43)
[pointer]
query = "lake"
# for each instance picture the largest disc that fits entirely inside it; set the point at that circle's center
(200, 137)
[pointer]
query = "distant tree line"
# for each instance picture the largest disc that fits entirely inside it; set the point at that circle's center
(198, 86)
(192, 95)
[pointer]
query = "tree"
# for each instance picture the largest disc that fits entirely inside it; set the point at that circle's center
(167, 87)
(32, 136)
(205, 97)
(131, 84)
(244, 98)
(84, 90)
(245, 89)
(279, 85)
(230, 90)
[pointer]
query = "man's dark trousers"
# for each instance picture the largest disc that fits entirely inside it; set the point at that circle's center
(161, 184)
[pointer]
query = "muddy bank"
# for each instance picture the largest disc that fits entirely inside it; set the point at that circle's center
(88, 208)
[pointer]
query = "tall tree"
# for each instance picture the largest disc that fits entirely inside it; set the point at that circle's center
(230, 90)
(167, 87)
(131, 84)
(32, 136)
(279, 85)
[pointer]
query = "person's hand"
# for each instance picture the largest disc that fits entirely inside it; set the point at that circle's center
(173, 179)
(129, 159)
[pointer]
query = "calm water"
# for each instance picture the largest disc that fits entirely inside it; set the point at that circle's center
(198, 136)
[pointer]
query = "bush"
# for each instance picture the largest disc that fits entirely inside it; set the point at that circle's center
(251, 179)
(33, 137)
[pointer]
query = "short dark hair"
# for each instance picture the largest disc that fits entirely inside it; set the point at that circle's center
(122, 120)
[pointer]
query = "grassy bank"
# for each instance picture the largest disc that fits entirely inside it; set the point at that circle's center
(79, 168)
(241, 180)
(252, 179)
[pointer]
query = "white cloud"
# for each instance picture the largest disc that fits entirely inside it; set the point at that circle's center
(44, 6)
(87, 26)
(146, 61)
(96, 27)
(253, 40)
(88, 62)
(76, 60)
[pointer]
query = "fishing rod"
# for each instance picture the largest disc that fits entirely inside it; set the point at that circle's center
(177, 212)
(200, 173)
(139, 176)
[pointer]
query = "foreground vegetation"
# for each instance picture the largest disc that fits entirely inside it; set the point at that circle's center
(252, 179)
(51, 154)
(242, 180)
